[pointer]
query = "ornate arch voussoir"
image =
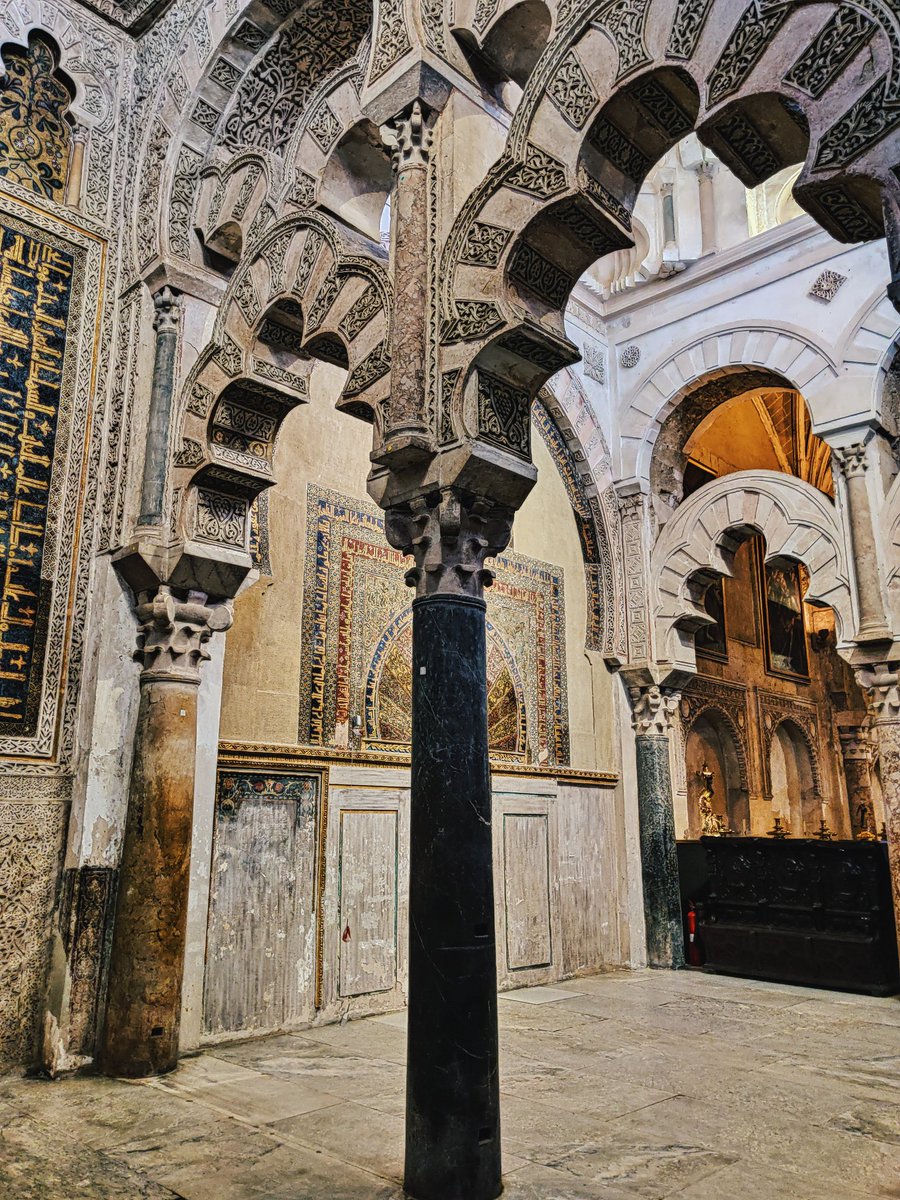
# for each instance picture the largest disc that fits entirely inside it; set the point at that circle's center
(766, 82)
(723, 362)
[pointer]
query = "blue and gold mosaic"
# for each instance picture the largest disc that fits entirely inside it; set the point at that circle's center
(35, 292)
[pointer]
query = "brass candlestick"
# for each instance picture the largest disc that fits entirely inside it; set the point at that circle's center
(823, 833)
(779, 830)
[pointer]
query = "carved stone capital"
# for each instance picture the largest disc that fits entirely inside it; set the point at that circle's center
(706, 171)
(173, 635)
(166, 310)
(409, 136)
(880, 683)
(449, 536)
(653, 711)
(851, 460)
(856, 743)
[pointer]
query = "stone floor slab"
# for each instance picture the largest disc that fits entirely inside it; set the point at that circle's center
(625, 1085)
(537, 995)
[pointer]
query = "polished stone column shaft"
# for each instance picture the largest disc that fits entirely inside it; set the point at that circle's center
(705, 174)
(452, 1087)
(653, 712)
(409, 136)
(167, 306)
(453, 1102)
(140, 1033)
(851, 461)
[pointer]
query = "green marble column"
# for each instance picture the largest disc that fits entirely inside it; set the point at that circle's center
(653, 713)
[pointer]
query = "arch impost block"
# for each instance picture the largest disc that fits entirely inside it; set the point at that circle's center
(218, 571)
(473, 468)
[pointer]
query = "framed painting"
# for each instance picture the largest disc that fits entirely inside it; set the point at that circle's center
(785, 628)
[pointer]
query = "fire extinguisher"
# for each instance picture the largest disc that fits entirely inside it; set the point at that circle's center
(695, 947)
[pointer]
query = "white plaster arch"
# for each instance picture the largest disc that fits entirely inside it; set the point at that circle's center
(869, 345)
(698, 545)
(784, 350)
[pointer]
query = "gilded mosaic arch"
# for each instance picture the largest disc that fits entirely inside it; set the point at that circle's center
(355, 605)
(35, 128)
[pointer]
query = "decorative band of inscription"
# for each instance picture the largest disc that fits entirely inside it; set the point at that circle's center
(35, 292)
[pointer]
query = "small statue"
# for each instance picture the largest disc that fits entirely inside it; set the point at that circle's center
(864, 821)
(711, 824)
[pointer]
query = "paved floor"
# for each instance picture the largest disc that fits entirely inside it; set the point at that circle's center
(632, 1084)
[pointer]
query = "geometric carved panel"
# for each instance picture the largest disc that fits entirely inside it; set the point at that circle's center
(31, 839)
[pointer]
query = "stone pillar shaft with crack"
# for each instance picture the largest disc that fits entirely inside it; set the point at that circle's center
(140, 1034)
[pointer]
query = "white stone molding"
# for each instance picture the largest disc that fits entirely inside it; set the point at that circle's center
(784, 351)
(698, 545)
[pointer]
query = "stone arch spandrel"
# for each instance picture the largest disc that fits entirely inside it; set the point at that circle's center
(868, 350)
(725, 361)
(564, 417)
(698, 544)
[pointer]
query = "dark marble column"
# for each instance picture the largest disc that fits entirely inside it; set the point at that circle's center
(167, 306)
(653, 712)
(452, 1086)
(140, 1033)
